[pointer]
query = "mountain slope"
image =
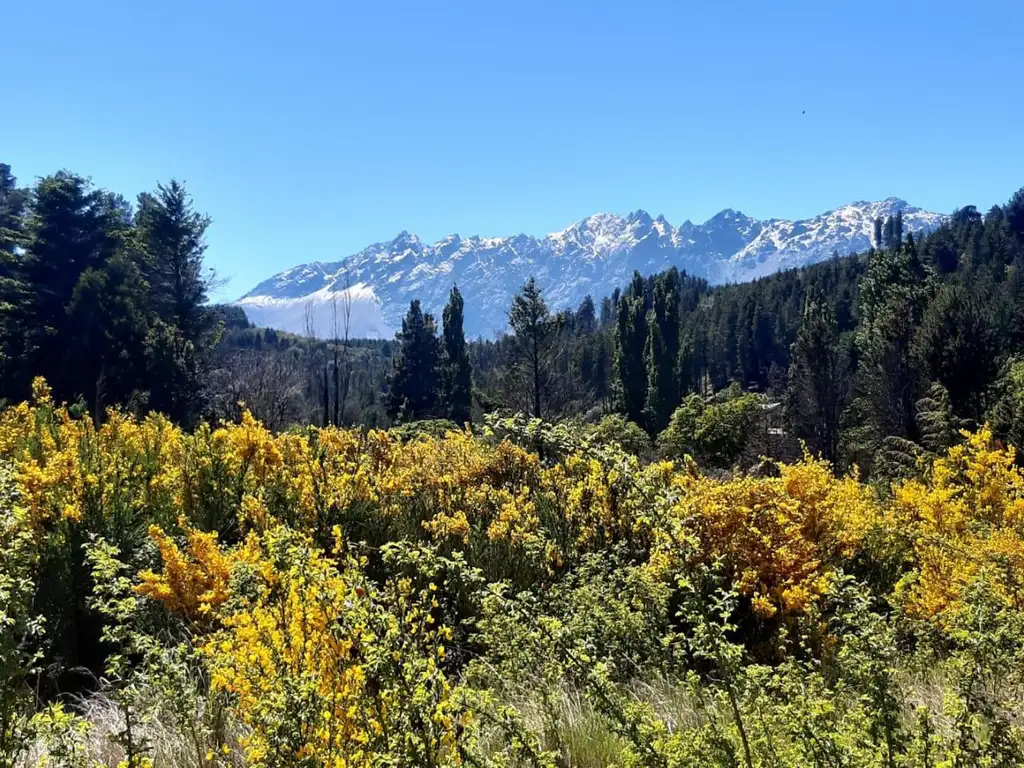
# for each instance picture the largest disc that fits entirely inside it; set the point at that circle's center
(592, 256)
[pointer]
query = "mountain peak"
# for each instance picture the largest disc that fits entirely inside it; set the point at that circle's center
(592, 256)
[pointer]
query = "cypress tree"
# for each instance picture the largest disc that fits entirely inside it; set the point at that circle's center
(458, 378)
(667, 301)
(657, 406)
(630, 343)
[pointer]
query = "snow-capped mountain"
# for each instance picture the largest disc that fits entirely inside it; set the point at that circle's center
(592, 256)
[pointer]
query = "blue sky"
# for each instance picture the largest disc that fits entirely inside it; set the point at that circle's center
(311, 128)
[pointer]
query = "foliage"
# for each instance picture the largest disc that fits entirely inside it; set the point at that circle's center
(457, 378)
(413, 392)
(715, 432)
(524, 596)
(616, 429)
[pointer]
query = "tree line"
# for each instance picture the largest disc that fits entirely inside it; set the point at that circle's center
(105, 299)
(870, 359)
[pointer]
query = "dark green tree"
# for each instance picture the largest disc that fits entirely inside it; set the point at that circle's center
(938, 427)
(413, 385)
(13, 296)
(109, 355)
(630, 343)
(657, 405)
(958, 346)
(13, 202)
(892, 298)
(71, 228)
(1014, 212)
(818, 381)
(1007, 412)
(171, 237)
(586, 317)
(666, 304)
(534, 335)
(457, 376)
(173, 240)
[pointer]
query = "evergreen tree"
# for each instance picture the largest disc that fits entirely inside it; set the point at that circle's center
(818, 381)
(957, 346)
(586, 318)
(12, 214)
(457, 374)
(891, 301)
(876, 239)
(171, 236)
(657, 405)
(666, 306)
(12, 290)
(1014, 213)
(889, 235)
(937, 425)
(108, 310)
(630, 343)
(1007, 412)
(413, 385)
(71, 228)
(534, 333)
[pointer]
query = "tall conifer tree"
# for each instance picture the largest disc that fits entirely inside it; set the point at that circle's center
(457, 372)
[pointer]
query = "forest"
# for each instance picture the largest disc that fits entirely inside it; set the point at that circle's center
(776, 523)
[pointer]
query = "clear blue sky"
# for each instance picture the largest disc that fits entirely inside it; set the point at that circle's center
(308, 129)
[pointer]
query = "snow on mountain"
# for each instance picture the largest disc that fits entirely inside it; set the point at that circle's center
(591, 256)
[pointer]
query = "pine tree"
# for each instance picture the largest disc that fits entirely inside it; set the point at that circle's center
(171, 236)
(937, 425)
(957, 346)
(1014, 212)
(413, 385)
(630, 343)
(817, 391)
(13, 201)
(109, 311)
(534, 333)
(889, 235)
(586, 317)
(891, 302)
(71, 228)
(13, 295)
(876, 239)
(457, 373)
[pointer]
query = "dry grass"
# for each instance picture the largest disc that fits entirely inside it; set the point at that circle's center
(169, 741)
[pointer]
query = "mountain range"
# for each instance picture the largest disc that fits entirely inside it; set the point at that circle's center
(593, 256)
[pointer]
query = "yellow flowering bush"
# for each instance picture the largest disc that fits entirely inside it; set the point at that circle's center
(965, 522)
(780, 537)
(363, 597)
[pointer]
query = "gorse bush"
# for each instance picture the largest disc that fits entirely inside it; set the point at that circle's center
(518, 596)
